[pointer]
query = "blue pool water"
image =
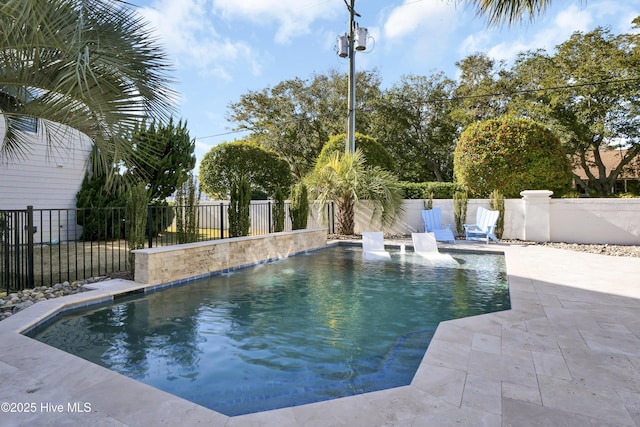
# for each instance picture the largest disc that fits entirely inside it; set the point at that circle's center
(303, 329)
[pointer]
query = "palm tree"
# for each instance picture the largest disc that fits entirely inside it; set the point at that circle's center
(345, 179)
(509, 11)
(89, 64)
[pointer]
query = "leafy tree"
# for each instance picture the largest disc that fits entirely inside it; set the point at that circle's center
(163, 157)
(296, 117)
(588, 92)
(480, 84)
(510, 155)
(92, 65)
(413, 121)
(345, 179)
(374, 153)
(239, 220)
(227, 163)
(299, 209)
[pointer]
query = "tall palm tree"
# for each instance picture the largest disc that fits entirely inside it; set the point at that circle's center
(345, 179)
(92, 65)
(509, 11)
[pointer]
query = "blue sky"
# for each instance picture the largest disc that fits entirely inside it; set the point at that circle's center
(222, 49)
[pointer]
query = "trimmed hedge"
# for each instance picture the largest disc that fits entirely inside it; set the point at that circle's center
(510, 155)
(422, 190)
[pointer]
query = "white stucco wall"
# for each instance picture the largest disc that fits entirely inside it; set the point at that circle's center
(595, 221)
(612, 221)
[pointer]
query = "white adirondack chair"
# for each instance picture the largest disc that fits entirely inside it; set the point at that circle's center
(373, 245)
(424, 244)
(485, 226)
(432, 219)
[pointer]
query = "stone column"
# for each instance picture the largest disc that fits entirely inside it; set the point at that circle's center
(537, 221)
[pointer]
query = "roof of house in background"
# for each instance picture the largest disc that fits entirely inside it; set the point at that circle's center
(611, 159)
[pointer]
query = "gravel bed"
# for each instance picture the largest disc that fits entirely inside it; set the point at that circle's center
(19, 300)
(611, 250)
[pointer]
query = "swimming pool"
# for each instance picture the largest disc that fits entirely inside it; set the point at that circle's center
(304, 329)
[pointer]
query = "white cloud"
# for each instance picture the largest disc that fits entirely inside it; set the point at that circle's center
(537, 35)
(292, 17)
(188, 32)
(428, 16)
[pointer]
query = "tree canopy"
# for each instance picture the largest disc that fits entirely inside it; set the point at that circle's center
(163, 157)
(296, 117)
(373, 152)
(585, 90)
(227, 163)
(588, 91)
(413, 121)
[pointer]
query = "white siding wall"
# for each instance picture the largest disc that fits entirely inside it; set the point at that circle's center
(49, 176)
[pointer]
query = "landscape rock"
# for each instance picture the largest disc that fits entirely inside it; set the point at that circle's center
(16, 301)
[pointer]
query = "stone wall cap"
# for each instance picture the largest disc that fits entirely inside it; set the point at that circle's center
(536, 194)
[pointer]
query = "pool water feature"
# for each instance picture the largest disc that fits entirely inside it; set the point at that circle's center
(308, 328)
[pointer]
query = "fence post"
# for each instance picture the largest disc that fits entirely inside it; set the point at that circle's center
(269, 216)
(5, 237)
(30, 231)
(150, 225)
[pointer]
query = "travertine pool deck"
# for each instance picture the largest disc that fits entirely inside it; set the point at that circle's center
(566, 354)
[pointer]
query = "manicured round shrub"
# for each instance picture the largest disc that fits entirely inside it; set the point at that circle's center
(510, 155)
(374, 153)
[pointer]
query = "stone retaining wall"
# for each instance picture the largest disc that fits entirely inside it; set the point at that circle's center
(173, 263)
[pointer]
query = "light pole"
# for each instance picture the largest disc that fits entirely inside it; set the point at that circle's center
(348, 44)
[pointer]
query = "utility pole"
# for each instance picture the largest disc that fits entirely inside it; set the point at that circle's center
(348, 44)
(351, 122)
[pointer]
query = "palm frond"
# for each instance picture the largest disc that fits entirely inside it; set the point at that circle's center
(92, 65)
(509, 11)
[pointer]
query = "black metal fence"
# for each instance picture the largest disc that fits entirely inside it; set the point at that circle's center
(41, 247)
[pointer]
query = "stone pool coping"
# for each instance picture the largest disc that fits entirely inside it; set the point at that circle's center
(567, 352)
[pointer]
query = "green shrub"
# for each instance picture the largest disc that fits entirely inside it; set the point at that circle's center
(510, 155)
(299, 210)
(374, 153)
(460, 202)
(433, 190)
(278, 211)
(136, 219)
(496, 203)
(187, 212)
(239, 220)
(99, 218)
